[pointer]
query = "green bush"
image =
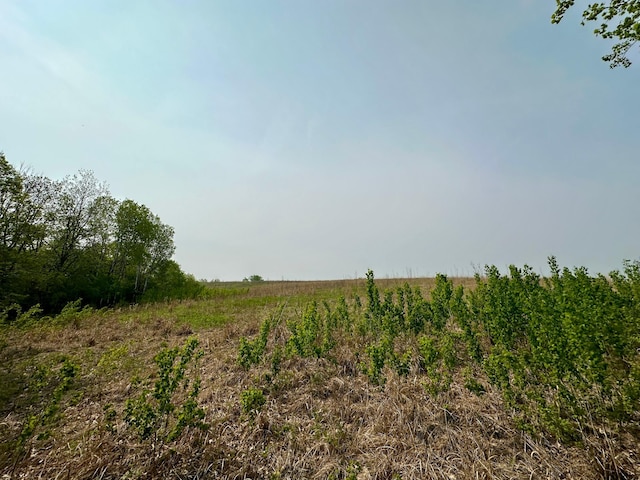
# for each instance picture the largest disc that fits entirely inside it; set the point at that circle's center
(252, 400)
(311, 336)
(250, 352)
(165, 411)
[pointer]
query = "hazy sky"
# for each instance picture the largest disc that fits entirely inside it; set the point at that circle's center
(307, 139)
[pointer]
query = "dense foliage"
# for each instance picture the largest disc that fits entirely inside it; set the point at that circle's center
(564, 350)
(69, 239)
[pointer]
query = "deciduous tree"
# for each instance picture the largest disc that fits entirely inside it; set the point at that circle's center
(618, 20)
(142, 244)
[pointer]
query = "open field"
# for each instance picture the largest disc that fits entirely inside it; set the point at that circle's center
(311, 380)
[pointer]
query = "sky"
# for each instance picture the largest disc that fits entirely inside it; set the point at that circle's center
(304, 139)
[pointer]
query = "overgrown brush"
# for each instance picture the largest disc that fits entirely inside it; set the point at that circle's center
(564, 350)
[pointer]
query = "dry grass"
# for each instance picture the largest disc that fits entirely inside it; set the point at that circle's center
(323, 419)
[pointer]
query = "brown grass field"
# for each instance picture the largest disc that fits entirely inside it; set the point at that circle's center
(322, 419)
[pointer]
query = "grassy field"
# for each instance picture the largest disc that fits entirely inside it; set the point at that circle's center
(297, 380)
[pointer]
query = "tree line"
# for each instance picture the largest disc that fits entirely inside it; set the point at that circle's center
(61, 240)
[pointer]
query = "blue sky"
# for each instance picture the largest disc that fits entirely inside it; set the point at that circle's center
(315, 140)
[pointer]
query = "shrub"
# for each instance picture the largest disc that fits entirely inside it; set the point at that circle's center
(162, 412)
(252, 400)
(250, 352)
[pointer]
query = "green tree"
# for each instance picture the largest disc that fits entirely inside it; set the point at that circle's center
(142, 245)
(79, 218)
(618, 20)
(11, 197)
(253, 279)
(169, 281)
(75, 213)
(23, 230)
(22, 216)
